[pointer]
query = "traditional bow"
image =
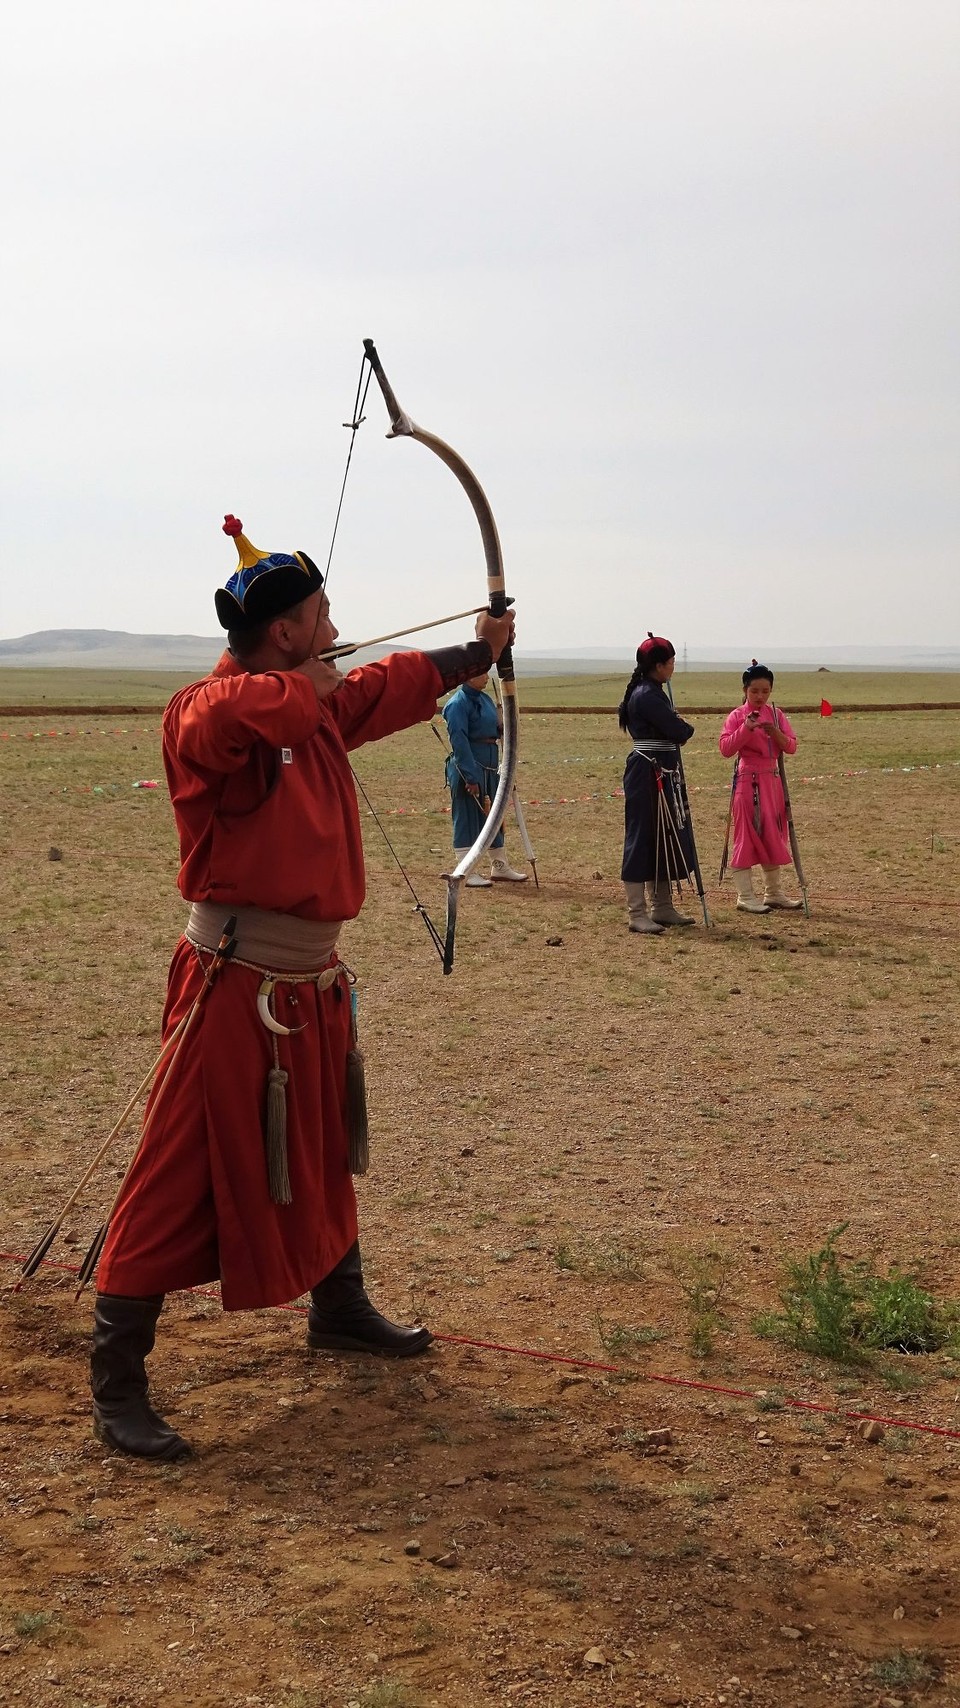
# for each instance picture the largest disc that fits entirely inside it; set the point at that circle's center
(401, 426)
(788, 808)
(685, 798)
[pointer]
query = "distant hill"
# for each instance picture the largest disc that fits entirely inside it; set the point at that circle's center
(566, 661)
(110, 649)
(113, 649)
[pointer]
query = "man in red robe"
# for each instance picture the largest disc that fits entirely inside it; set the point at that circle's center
(256, 757)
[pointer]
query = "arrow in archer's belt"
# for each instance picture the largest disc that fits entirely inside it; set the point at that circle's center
(39, 1252)
(221, 955)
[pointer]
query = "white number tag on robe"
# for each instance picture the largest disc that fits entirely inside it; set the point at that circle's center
(286, 754)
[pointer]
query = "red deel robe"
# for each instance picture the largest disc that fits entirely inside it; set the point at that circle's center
(267, 817)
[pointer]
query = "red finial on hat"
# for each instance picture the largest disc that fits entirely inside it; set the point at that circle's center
(232, 526)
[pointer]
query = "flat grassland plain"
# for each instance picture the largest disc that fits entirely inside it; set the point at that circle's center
(586, 1144)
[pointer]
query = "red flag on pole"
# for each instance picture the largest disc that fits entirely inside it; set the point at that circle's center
(826, 710)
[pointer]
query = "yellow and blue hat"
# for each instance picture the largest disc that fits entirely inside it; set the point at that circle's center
(264, 584)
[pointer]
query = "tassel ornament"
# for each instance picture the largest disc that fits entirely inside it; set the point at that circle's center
(358, 1126)
(275, 1133)
(358, 1130)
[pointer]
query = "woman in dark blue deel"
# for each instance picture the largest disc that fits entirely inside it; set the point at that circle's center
(658, 842)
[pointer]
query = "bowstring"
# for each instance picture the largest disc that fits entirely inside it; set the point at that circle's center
(424, 915)
(353, 426)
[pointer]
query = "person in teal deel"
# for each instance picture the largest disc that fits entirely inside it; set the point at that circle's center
(472, 770)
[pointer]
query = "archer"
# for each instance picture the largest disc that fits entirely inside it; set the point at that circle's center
(243, 1173)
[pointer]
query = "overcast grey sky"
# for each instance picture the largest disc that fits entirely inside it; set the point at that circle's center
(678, 277)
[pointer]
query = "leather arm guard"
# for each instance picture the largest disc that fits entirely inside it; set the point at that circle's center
(458, 664)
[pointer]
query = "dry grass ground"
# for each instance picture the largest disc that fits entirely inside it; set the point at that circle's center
(603, 1148)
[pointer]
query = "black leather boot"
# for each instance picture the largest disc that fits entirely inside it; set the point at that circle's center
(123, 1336)
(342, 1319)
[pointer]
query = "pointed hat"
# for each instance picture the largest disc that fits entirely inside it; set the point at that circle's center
(264, 584)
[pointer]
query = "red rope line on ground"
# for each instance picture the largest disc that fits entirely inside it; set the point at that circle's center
(788, 1403)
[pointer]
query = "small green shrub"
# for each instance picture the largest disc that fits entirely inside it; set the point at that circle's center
(902, 1317)
(769, 1401)
(619, 1339)
(847, 1311)
(701, 1277)
(33, 1624)
(564, 1584)
(389, 1694)
(819, 1304)
(610, 1258)
(906, 1667)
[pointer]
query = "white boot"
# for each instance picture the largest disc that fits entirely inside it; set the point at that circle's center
(773, 890)
(501, 871)
(660, 901)
(637, 917)
(476, 880)
(747, 902)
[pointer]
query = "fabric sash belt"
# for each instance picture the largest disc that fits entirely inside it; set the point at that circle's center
(269, 941)
(650, 748)
(288, 950)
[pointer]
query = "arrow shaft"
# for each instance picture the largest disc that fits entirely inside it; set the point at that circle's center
(412, 629)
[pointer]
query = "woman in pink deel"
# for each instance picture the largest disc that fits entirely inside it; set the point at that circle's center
(754, 735)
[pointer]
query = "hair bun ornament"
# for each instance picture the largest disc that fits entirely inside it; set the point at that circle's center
(753, 663)
(233, 526)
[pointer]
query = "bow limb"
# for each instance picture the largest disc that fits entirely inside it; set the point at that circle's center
(518, 810)
(401, 426)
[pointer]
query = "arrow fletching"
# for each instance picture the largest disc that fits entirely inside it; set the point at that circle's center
(38, 1254)
(92, 1258)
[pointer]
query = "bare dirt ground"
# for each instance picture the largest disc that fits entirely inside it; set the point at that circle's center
(601, 1148)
